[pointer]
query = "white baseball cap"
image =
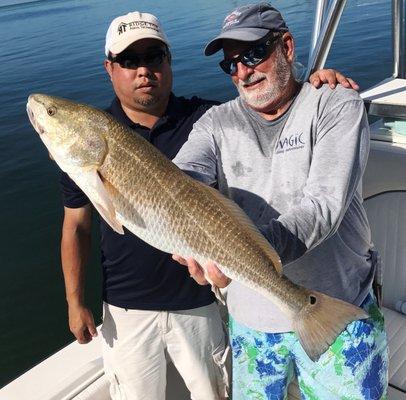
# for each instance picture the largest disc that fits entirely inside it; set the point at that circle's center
(127, 29)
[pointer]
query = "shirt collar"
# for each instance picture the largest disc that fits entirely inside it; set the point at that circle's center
(175, 108)
(118, 112)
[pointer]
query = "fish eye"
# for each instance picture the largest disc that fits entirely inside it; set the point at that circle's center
(312, 299)
(51, 111)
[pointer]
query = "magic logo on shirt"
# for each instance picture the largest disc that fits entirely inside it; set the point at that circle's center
(290, 143)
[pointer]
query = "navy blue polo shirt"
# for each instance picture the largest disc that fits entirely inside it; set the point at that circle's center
(136, 275)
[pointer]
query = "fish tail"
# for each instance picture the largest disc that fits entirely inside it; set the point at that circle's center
(320, 322)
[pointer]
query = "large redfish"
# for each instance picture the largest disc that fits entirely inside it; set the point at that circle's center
(132, 184)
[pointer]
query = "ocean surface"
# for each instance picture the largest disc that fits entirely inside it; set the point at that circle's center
(57, 47)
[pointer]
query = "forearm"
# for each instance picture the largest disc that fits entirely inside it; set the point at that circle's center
(75, 249)
(288, 246)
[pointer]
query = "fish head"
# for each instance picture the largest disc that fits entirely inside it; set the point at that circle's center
(74, 134)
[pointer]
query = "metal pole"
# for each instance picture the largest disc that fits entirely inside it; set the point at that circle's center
(398, 38)
(318, 22)
(325, 38)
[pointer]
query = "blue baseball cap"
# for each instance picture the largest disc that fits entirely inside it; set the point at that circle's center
(248, 23)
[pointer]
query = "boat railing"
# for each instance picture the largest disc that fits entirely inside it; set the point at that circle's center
(319, 17)
(388, 98)
(398, 38)
(326, 20)
(321, 42)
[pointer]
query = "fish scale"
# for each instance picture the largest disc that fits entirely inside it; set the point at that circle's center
(169, 204)
(132, 184)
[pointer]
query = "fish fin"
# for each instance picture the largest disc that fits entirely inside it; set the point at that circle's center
(320, 322)
(243, 218)
(136, 218)
(92, 185)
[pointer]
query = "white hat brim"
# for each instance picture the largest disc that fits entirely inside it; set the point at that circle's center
(121, 45)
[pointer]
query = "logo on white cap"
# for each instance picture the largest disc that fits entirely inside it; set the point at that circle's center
(122, 28)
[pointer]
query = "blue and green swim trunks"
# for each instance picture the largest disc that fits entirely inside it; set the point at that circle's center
(354, 368)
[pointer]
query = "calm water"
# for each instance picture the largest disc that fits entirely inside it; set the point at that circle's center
(57, 47)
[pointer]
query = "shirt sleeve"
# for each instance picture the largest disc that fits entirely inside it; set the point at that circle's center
(338, 161)
(197, 157)
(72, 195)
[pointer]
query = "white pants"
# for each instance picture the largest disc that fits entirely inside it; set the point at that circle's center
(137, 343)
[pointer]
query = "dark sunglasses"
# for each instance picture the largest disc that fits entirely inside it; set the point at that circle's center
(252, 57)
(131, 60)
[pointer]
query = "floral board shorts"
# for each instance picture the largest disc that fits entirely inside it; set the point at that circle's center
(355, 367)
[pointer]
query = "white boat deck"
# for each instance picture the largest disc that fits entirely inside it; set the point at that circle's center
(390, 91)
(62, 376)
(387, 98)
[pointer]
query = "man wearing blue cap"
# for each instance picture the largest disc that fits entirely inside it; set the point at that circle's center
(292, 157)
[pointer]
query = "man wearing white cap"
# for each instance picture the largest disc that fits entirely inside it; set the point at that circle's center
(292, 157)
(152, 309)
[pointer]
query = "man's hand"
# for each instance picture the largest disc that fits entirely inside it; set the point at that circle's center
(81, 324)
(332, 77)
(197, 272)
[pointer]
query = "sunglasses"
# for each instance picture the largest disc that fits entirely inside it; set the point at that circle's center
(130, 60)
(250, 58)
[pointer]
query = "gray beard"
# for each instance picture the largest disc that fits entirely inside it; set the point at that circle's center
(283, 73)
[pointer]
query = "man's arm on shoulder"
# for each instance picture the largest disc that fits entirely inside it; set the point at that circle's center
(332, 78)
(75, 248)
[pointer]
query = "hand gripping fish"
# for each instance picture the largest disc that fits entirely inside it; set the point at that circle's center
(132, 184)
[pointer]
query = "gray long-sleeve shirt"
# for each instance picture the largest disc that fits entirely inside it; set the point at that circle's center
(298, 178)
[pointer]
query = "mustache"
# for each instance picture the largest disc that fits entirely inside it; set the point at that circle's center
(149, 82)
(256, 76)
